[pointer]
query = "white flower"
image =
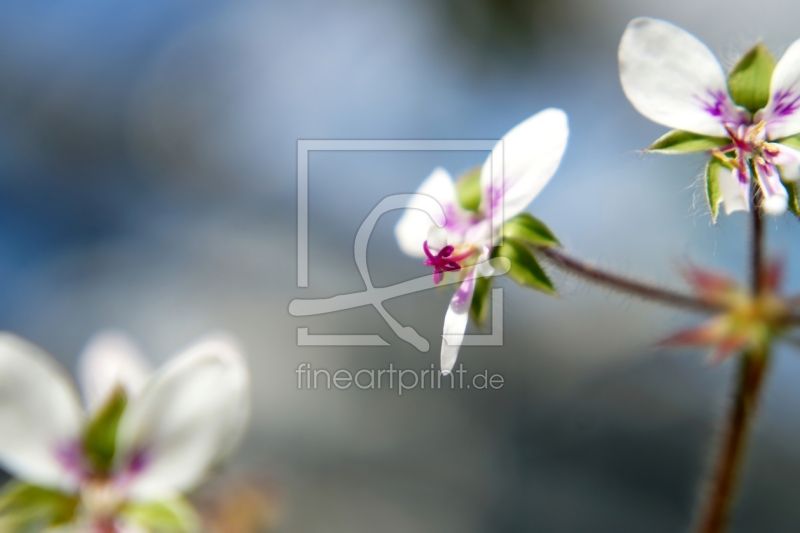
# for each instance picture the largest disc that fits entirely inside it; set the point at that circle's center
(175, 423)
(674, 79)
(531, 152)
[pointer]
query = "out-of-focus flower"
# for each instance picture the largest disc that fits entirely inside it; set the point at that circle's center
(748, 120)
(122, 464)
(239, 506)
(748, 323)
(485, 204)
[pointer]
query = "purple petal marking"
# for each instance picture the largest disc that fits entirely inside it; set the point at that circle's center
(786, 102)
(718, 104)
(71, 457)
(463, 296)
(138, 462)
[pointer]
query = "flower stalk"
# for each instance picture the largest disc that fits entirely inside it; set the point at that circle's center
(621, 283)
(753, 365)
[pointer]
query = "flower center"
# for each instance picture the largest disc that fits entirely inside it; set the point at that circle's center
(102, 500)
(443, 261)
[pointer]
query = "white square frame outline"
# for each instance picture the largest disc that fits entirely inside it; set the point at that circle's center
(305, 146)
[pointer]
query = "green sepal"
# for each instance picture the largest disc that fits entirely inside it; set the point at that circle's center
(27, 508)
(99, 441)
(525, 269)
(530, 230)
(794, 196)
(791, 142)
(468, 189)
(480, 299)
(170, 516)
(713, 190)
(686, 142)
(750, 79)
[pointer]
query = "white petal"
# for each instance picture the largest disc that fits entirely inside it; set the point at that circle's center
(437, 238)
(775, 199)
(780, 154)
(531, 152)
(674, 79)
(484, 266)
(110, 359)
(40, 415)
(455, 322)
(783, 110)
(412, 228)
(734, 196)
(191, 413)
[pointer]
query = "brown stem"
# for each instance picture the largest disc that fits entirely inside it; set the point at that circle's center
(732, 446)
(750, 381)
(624, 284)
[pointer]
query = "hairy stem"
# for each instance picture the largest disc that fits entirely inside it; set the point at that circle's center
(749, 382)
(611, 280)
(732, 446)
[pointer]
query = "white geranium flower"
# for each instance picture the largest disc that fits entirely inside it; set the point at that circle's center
(143, 439)
(532, 152)
(674, 79)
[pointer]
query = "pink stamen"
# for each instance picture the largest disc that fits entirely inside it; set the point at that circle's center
(442, 262)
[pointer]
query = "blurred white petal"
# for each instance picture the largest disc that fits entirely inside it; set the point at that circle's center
(783, 110)
(437, 238)
(191, 413)
(40, 415)
(110, 359)
(455, 322)
(674, 79)
(532, 151)
(412, 228)
(775, 199)
(780, 154)
(734, 196)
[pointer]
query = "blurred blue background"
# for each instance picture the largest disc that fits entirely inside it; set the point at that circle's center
(148, 182)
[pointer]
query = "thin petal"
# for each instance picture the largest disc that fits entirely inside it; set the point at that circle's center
(110, 359)
(734, 195)
(674, 79)
(189, 415)
(783, 110)
(775, 199)
(40, 415)
(455, 322)
(412, 228)
(484, 266)
(531, 152)
(780, 154)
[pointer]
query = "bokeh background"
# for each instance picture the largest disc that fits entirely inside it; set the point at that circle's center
(148, 182)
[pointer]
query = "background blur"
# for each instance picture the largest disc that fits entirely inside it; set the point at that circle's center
(148, 182)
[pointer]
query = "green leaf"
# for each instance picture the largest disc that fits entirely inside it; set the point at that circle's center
(170, 516)
(685, 142)
(794, 196)
(713, 191)
(749, 80)
(525, 269)
(99, 441)
(480, 299)
(791, 142)
(27, 508)
(529, 230)
(468, 189)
